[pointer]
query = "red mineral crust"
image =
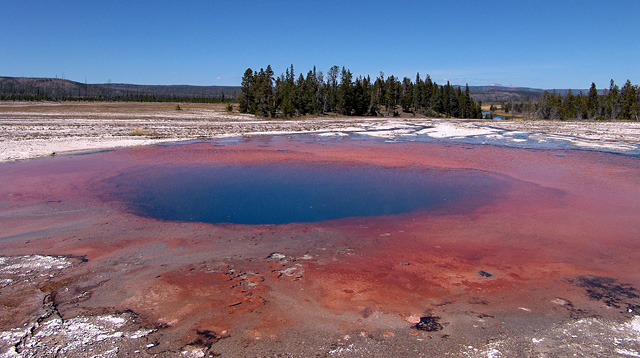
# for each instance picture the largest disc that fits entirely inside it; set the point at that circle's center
(564, 214)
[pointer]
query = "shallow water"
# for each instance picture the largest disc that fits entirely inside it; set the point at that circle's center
(282, 193)
(496, 117)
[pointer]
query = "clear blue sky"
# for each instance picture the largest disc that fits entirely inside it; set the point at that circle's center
(536, 43)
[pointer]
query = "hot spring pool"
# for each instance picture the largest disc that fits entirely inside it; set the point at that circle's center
(298, 192)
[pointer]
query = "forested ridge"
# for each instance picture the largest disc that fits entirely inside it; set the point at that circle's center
(612, 104)
(54, 89)
(314, 94)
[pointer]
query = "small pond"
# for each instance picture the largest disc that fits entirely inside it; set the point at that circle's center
(496, 117)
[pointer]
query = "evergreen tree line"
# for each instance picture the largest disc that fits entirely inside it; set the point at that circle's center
(612, 104)
(339, 92)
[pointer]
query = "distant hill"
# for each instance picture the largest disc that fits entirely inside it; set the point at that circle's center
(59, 89)
(497, 93)
(174, 90)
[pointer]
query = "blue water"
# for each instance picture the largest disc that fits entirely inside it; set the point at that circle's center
(295, 192)
(496, 117)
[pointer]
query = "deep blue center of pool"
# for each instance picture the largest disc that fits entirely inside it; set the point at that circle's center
(295, 192)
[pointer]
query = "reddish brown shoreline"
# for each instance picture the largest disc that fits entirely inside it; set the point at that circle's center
(566, 214)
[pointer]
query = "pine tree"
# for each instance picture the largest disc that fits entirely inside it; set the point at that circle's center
(436, 99)
(568, 109)
(332, 88)
(392, 95)
(346, 92)
(581, 106)
(298, 96)
(612, 107)
(469, 104)
(319, 91)
(418, 94)
(269, 104)
(544, 106)
(592, 103)
(245, 98)
(407, 95)
(628, 101)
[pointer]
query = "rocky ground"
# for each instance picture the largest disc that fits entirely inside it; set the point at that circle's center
(547, 270)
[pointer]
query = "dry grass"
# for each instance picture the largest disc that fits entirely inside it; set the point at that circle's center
(139, 131)
(133, 108)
